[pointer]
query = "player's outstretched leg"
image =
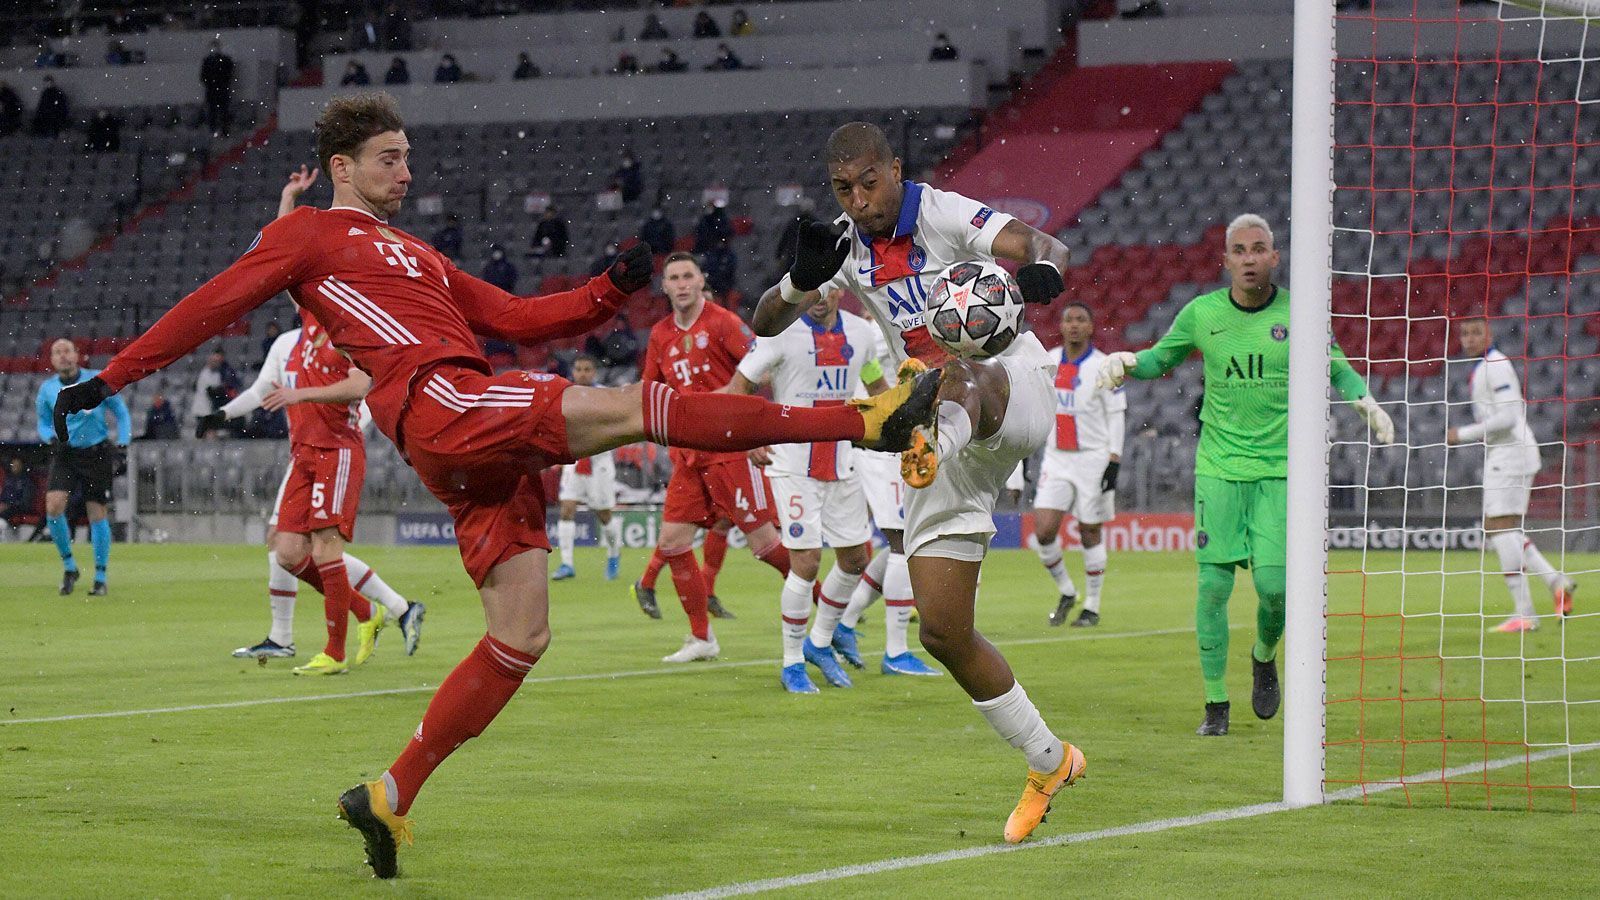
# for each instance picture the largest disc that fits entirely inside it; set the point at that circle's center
(946, 589)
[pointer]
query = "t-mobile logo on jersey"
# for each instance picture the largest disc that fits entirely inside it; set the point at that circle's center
(396, 255)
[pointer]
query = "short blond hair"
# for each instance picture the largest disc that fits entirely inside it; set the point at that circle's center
(1247, 220)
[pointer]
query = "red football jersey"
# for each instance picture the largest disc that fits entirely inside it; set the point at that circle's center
(315, 363)
(386, 298)
(697, 360)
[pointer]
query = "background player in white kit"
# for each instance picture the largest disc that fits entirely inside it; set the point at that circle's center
(1510, 460)
(1081, 462)
(591, 481)
(993, 414)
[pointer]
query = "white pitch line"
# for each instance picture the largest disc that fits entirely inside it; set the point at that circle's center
(546, 679)
(1221, 815)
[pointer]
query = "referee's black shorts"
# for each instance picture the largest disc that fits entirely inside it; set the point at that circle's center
(86, 469)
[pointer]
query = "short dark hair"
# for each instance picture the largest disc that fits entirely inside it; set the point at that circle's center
(682, 256)
(347, 122)
(1078, 304)
(584, 357)
(857, 140)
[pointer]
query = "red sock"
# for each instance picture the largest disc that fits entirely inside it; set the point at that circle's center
(777, 556)
(462, 708)
(336, 605)
(652, 569)
(691, 591)
(715, 549)
(731, 422)
(307, 571)
(360, 607)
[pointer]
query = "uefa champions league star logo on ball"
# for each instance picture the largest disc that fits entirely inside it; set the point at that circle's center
(974, 310)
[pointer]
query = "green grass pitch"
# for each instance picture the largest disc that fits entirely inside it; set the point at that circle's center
(613, 775)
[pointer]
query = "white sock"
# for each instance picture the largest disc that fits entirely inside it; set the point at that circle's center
(1014, 717)
(1508, 546)
(282, 587)
(795, 605)
(1050, 556)
(898, 605)
(1094, 576)
(612, 535)
(1534, 563)
(566, 536)
(955, 428)
(837, 589)
(867, 591)
(365, 580)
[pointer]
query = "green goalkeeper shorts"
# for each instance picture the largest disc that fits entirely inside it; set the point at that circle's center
(1241, 521)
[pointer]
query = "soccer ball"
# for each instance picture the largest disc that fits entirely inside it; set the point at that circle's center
(974, 310)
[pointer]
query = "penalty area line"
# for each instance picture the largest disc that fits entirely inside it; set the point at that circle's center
(898, 863)
(685, 669)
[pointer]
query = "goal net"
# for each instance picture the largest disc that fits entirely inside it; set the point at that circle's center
(1465, 183)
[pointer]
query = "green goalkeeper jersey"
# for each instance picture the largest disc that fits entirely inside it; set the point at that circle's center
(1245, 417)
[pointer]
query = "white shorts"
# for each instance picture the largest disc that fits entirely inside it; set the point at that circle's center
(879, 474)
(960, 502)
(811, 511)
(272, 521)
(597, 490)
(1070, 482)
(1505, 494)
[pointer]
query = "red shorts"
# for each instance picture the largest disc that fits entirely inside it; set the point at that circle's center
(726, 488)
(479, 442)
(321, 489)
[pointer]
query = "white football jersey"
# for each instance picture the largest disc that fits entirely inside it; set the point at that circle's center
(1087, 418)
(813, 366)
(893, 276)
(1501, 416)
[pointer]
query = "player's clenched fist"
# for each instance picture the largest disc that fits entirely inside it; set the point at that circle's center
(820, 249)
(633, 268)
(1040, 282)
(77, 398)
(1115, 370)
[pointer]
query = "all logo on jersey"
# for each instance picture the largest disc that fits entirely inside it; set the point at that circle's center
(1253, 366)
(1280, 332)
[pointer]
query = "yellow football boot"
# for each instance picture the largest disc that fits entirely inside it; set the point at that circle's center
(323, 664)
(366, 808)
(1041, 787)
(367, 633)
(920, 464)
(889, 418)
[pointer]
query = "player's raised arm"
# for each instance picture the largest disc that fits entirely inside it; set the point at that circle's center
(1353, 388)
(299, 182)
(820, 249)
(496, 313)
(354, 387)
(1155, 361)
(1043, 259)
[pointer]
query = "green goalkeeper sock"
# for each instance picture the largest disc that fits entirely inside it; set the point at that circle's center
(1211, 627)
(1270, 589)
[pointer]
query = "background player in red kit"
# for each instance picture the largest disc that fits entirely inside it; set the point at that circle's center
(695, 350)
(406, 316)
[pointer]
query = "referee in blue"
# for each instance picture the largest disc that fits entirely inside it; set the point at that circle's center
(87, 463)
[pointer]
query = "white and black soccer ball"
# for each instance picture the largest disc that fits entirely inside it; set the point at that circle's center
(974, 310)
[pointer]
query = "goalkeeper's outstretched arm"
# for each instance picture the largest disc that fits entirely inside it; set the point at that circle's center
(1353, 389)
(1155, 361)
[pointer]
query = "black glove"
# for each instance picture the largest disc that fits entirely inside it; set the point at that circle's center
(633, 268)
(1039, 282)
(1108, 478)
(818, 254)
(213, 421)
(119, 459)
(77, 398)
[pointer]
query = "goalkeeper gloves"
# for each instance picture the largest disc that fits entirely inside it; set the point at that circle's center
(820, 249)
(1040, 282)
(1108, 479)
(1382, 426)
(1115, 370)
(633, 269)
(77, 398)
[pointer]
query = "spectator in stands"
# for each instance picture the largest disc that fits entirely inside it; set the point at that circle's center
(448, 72)
(17, 496)
(396, 28)
(740, 25)
(525, 68)
(705, 26)
(721, 269)
(499, 271)
(105, 132)
(355, 75)
(211, 386)
(605, 259)
(10, 110)
(399, 72)
(726, 61)
(48, 58)
(619, 348)
(216, 76)
(51, 115)
(272, 331)
(550, 237)
(943, 50)
(670, 62)
(447, 239)
(657, 231)
(627, 64)
(714, 229)
(160, 424)
(628, 177)
(118, 55)
(653, 29)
